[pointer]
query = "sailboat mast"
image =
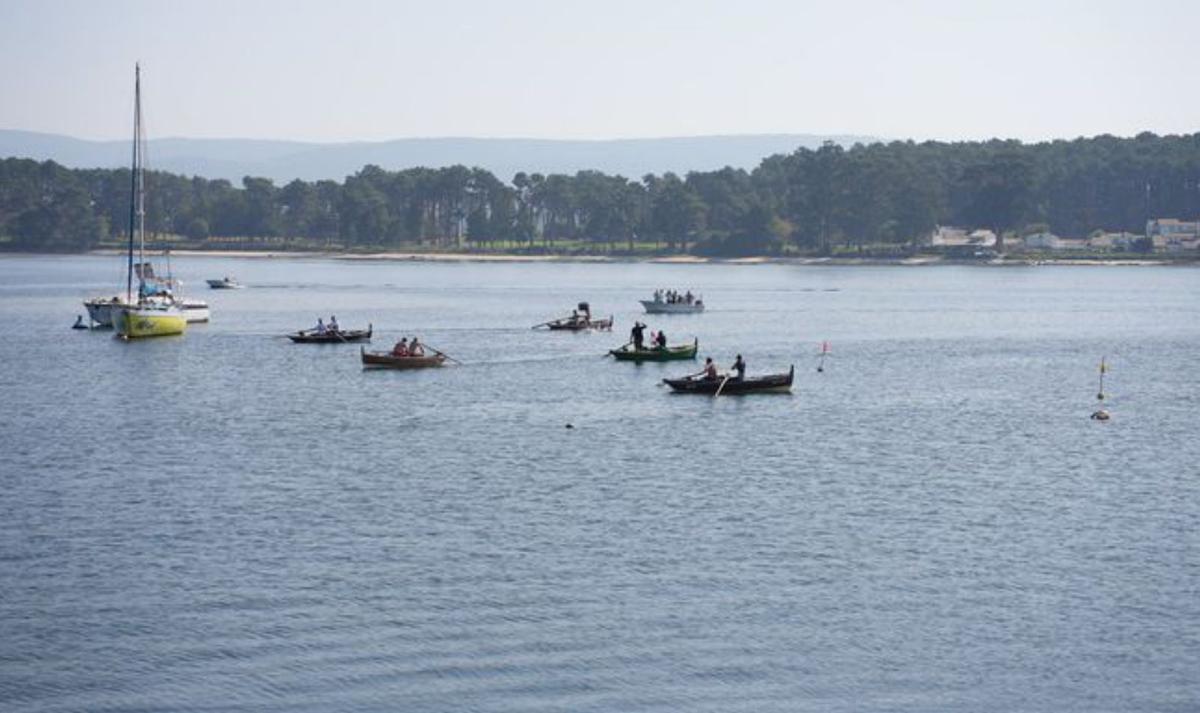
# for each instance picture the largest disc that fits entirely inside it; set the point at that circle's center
(141, 178)
(133, 181)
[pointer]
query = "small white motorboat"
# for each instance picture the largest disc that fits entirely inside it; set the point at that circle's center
(194, 310)
(225, 283)
(664, 307)
(101, 310)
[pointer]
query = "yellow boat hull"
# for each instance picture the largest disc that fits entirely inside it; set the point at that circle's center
(136, 323)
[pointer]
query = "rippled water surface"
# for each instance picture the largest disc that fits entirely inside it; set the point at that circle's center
(230, 522)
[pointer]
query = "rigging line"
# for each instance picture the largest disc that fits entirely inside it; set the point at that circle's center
(133, 186)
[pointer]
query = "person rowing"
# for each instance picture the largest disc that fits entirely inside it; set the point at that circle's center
(740, 367)
(660, 342)
(415, 348)
(708, 373)
(401, 348)
(320, 328)
(333, 325)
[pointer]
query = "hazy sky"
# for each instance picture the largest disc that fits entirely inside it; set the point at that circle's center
(348, 70)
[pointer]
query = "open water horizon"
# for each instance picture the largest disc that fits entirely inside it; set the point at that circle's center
(226, 521)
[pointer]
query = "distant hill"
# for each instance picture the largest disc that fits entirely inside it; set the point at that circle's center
(283, 161)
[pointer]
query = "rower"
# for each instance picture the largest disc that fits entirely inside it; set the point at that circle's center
(636, 335)
(333, 325)
(661, 340)
(415, 348)
(740, 367)
(401, 348)
(710, 370)
(320, 328)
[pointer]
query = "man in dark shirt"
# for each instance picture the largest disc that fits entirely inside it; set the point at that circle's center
(740, 367)
(635, 335)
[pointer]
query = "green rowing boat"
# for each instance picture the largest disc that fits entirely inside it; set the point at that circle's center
(628, 353)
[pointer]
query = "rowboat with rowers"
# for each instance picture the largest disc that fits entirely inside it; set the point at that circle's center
(579, 320)
(770, 383)
(631, 353)
(331, 336)
(390, 360)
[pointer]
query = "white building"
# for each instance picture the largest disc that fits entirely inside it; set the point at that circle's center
(1121, 241)
(982, 238)
(1173, 229)
(948, 236)
(1042, 241)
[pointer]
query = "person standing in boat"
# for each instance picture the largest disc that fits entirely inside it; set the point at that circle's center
(637, 336)
(415, 348)
(739, 366)
(401, 348)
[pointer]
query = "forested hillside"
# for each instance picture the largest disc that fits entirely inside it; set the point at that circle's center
(809, 200)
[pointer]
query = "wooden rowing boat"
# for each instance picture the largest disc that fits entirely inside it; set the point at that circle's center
(683, 351)
(311, 336)
(771, 383)
(578, 325)
(387, 360)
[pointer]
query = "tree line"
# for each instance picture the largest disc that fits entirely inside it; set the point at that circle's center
(867, 197)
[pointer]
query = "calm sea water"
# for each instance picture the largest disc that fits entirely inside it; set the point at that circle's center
(230, 522)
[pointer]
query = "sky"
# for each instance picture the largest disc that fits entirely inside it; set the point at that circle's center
(356, 70)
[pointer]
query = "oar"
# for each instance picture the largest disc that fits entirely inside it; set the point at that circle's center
(722, 386)
(618, 348)
(447, 356)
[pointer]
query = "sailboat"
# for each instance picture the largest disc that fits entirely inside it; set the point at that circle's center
(102, 310)
(151, 312)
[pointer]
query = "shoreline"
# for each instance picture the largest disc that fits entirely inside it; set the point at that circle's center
(918, 261)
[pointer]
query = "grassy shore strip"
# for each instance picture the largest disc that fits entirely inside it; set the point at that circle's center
(460, 257)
